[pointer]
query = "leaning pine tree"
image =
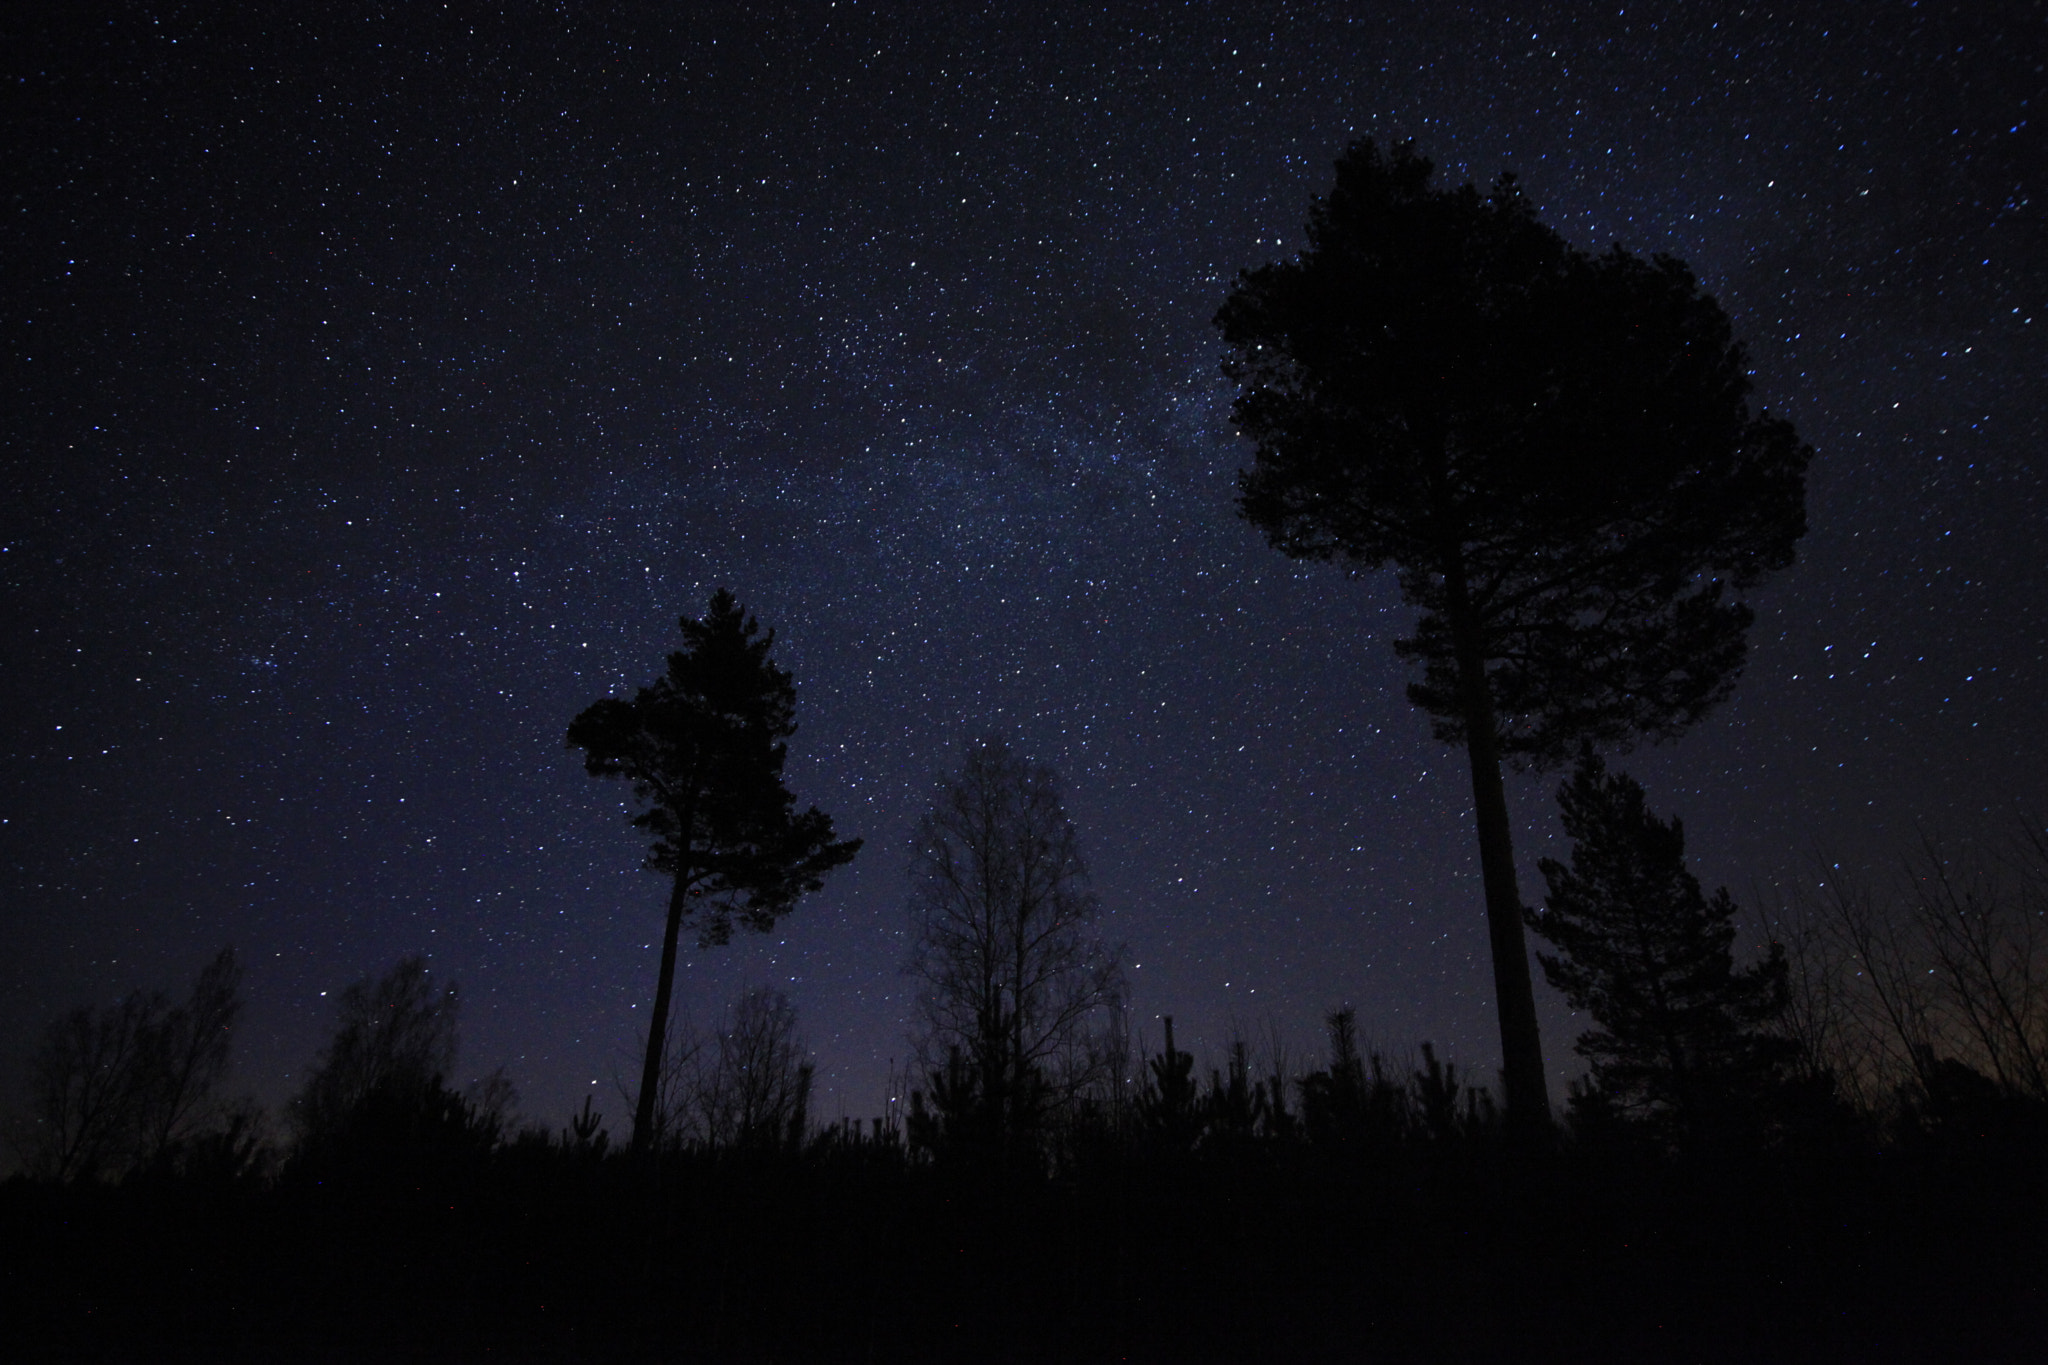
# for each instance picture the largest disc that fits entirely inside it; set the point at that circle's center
(1556, 454)
(703, 747)
(1683, 1039)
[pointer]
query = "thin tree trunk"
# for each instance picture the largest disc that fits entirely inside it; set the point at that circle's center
(1528, 1095)
(657, 1031)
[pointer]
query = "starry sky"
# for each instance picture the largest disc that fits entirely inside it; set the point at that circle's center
(380, 387)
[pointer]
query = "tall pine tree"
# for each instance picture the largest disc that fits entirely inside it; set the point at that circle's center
(1553, 450)
(703, 746)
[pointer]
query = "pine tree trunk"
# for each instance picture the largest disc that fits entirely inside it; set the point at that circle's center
(657, 1030)
(1528, 1094)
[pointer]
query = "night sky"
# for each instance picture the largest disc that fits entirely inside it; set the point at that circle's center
(379, 390)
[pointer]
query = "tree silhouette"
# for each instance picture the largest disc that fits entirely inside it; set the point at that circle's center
(1014, 975)
(396, 1037)
(119, 1089)
(1555, 452)
(747, 1085)
(1169, 1105)
(759, 1090)
(1683, 1038)
(703, 746)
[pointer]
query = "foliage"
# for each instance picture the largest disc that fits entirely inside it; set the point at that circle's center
(703, 747)
(403, 1132)
(1169, 1106)
(1682, 1036)
(1356, 1102)
(1356, 1106)
(760, 1091)
(1239, 1108)
(1987, 934)
(586, 1135)
(949, 1119)
(1553, 450)
(121, 1089)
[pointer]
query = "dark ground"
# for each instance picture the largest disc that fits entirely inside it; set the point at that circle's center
(847, 1253)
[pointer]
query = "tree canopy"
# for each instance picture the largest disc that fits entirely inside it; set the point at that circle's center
(1554, 451)
(703, 747)
(1680, 1036)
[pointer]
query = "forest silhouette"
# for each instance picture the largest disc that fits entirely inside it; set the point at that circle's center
(1830, 1144)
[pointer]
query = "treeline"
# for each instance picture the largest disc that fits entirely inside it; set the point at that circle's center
(1832, 1147)
(1931, 981)
(1364, 1208)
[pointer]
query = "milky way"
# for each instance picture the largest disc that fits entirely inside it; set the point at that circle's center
(380, 389)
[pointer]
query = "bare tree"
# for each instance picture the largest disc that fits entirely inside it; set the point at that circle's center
(760, 1087)
(190, 1057)
(83, 1090)
(1887, 1026)
(1947, 963)
(1986, 935)
(396, 1032)
(1019, 991)
(1818, 1016)
(676, 1119)
(746, 1085)
(116, 1089)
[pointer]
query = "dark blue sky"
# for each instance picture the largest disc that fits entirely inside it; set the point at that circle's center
(380, 388)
